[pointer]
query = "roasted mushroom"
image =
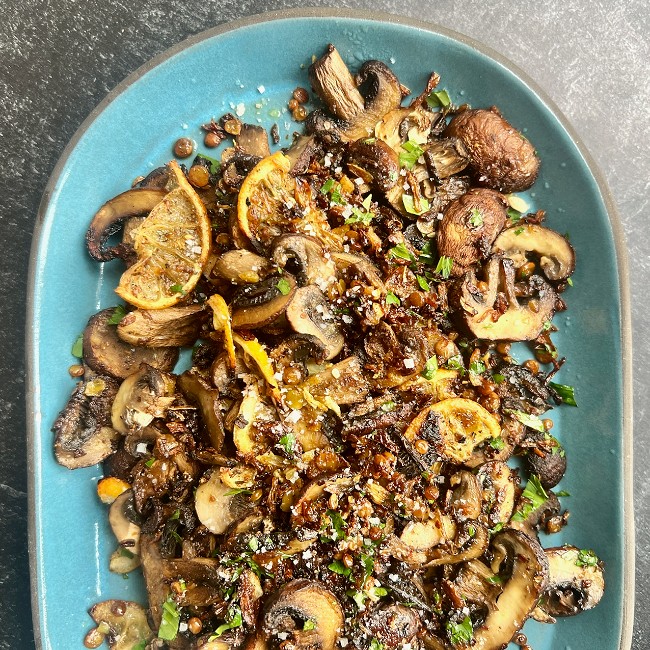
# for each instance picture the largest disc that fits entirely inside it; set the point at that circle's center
(109, 218)
(259, 304)
(121, 622)
(576, 582)
(241, 266)
(501, 157)
(374, 162)
(469, 226)
(333, 83)
(304, 257)
(105, 352)
(84, 435)
(122, 518)
(497, 314)
(297, 602)
(163, 328)
(253, 140)
(309, 313)
(556, 255)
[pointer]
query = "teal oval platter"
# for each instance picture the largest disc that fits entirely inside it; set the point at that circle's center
(251, 67)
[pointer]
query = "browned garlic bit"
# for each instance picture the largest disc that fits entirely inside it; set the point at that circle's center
(332, 471)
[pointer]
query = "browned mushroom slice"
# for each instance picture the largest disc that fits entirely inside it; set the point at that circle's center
(545, 457)
(497, 483)
(143, 396)
(359, 267)
(466, 498)
(299, 601)
(325, 486)
(576, 581)
(556, 255)
(218, 506)
(123, 623)
(241, 266)
(105, 352)
(259, 304)
(121, 518)
(84, 435)
(333, 83)
(344, 382)
(497, 314)
(253, 140)
(374, 162)
(471, 541)
(469, 226)
(109, 218)
(445, 157)
(527, 576)
(309, 313)
(500, 156)
(198, 391)
(304, 257)
(392, 625)
(153, 573)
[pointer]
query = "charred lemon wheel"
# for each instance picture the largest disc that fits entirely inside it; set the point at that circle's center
(172, 245)
(271, 202)
(454, 427)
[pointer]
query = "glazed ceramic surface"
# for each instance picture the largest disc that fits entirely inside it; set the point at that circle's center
(254, 68)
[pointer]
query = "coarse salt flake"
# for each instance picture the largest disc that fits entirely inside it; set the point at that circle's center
(409, 363)
(261, 89)
(240, 109)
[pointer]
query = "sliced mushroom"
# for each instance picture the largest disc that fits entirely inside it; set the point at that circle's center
(392, 625)
(466, 498)
(125, 623)
(359, 267)
(402, 124)
(445, 157)
(121, 517)
(471, 542)
(299, 601)
(106, 353)
(343, 383)
(497, 483)
(501, 157)
(309, 313)
(143, 396)
(84, 435)
(545, 457)
(556, 255)
(218, 506)
(469, 226)
(253, 140)
(576, 581)
(304, 258)
(374, 162)
(337, 484)
(296, 352)
(109, 218)
(333, 83)
(197, 391)
(527, 565)
(497, 314)
(241, 266)
(170, 328)
(153, 573)
(259, 304)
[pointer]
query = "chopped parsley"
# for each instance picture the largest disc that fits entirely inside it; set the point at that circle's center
(535, 495)
(569, 281)
(430, 368)
(462, 632)
(519, 230)
(497, 443)
(562, 493)
(444, 266)
(476, 218)
(477, 367)
(288, 442)
(586, 557)
(331, 187)
(150, 462)
(177, 288)
(400, 251)
(409, 205)
(376, 645)
(338, 567)
(495, 580)
(392, 299)
(78, 347)
(309, 625)
(423, 283)
(235, 491)
(170, 620)
(514, 215)
(426, 254)
(388, 406)
(215, 165)
(234, 621)
(438, 99)
(118, 314)
(498, 378)
(283, 286)
(528, 420)
(364, 216)
(408, 157)
(456, 363)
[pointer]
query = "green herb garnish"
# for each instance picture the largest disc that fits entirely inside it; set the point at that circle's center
(118, 314)
(535, 494)
(78, 347)
(235, 491)
(283, 286)
(409, 205)
(444, 266)
(338, 524)
(170, 619)
(422, 281)
(528, 420)
(586, 557)
(392, 299)
(438, 99)
(430, 368)
(309, 625)
(476, 218)
(288, 442)
(514, 215)
(408, 157)
(462, 632)
(497, 443)
(376, 645)
(338, 567)
(235, 621)
(400, 251)
(177, 288)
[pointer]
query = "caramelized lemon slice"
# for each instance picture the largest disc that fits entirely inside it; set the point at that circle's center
(271, 202)
(172, 245)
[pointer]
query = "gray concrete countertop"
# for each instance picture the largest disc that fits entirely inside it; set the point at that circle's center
(59, 58)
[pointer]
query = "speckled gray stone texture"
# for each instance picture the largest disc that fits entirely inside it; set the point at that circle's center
(58, 58)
